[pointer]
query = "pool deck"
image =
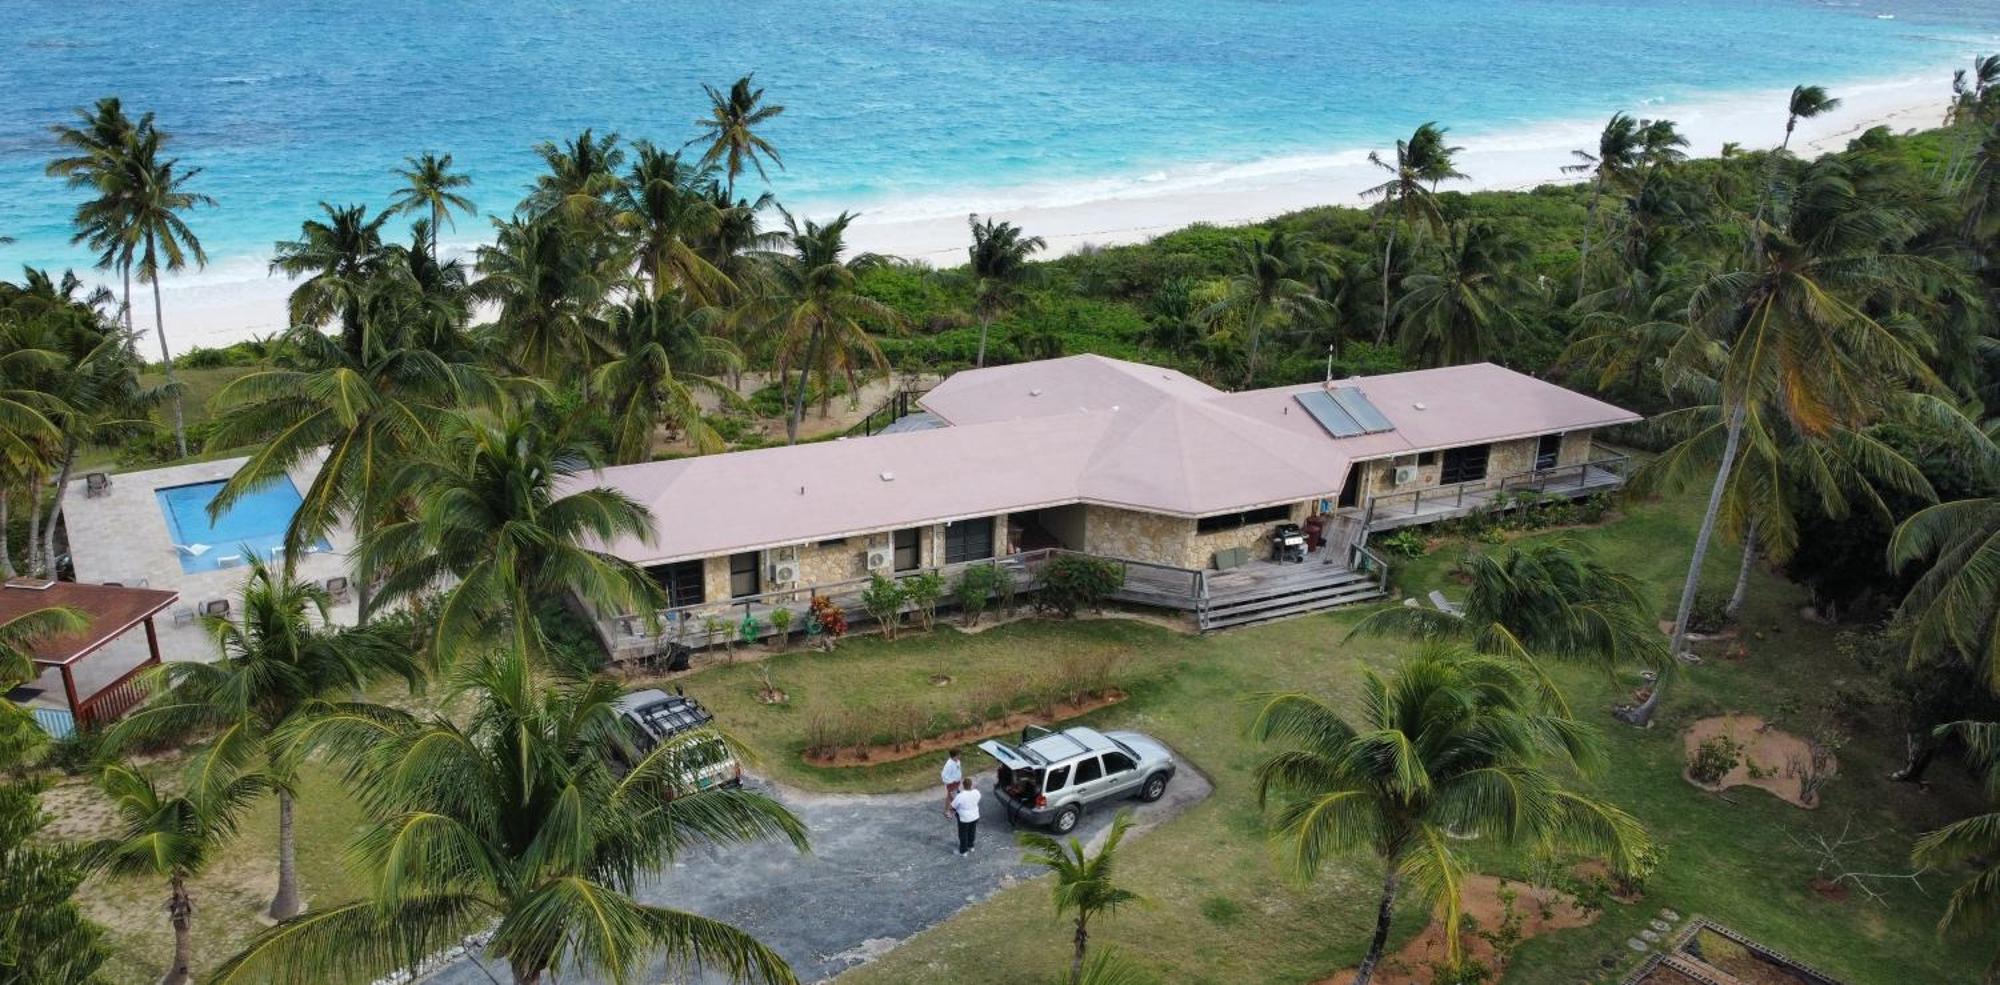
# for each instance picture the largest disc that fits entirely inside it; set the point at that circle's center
(122, 536)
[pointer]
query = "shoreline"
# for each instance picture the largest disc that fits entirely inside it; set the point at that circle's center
(238, 299)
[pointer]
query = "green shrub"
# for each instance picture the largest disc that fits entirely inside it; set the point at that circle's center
(1713, 759)
(781, 624)
(1406, 542)
(883, 599)
(923, 591)
(1710, 613)
(1072, 581)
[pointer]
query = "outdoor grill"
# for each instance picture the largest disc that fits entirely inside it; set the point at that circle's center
(1288, 543)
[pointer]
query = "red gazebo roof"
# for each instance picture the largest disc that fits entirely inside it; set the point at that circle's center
(112, 610)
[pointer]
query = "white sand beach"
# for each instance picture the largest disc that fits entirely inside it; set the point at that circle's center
(239, 299)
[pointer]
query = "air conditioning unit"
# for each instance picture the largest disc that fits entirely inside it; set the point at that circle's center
(784, 572)
(878, 559)
(1405, 474)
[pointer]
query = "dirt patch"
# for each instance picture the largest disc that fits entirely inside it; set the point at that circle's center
(1767, 756)
(1592, 870)
(875, 755)
(1829, 890)
(1541, 911)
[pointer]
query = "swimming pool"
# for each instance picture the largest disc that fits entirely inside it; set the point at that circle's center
(255, 526)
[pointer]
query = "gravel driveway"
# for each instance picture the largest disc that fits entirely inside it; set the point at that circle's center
(883, 867)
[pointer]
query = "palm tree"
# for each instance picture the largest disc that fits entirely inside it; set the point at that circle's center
(277, 668)
(1796, 340)
(1409, 195)
(368, 412)
(431, 186)
(175, 838)
(498, 521)
(1976, 839)
(549, 280)
(663, 205)
(1447, 745)
(999, 260)
(141, 205)
(1083, 886)
(517, 820)
(582, 176)
(1618, 149)
(730, 130)
(1806, 102)
(97, 146)
(818, 317)
(1550, 599)
(1953, 609)
(665, 352)
(1462, 311)
(340, 259)
(1272, 280)
(21, 737)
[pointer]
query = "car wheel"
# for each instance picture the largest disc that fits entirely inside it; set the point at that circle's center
(1065, 821)
(1155, 788)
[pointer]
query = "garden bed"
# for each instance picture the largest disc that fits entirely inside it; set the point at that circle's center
(1767, 756)
(1486, 919)
(893, 752)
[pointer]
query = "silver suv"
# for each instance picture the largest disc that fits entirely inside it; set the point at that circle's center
(652, 717)
(1051, 776)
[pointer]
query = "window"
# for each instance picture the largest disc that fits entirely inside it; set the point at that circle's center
(1088, 770)
(1118, 762)
(682, 582)
(909, 549)
(835, 542)
(1547, 450)
(743, 575)
(1247, 518)
(1058, 778)
(1467, 464)
(968, 540)
(1427, 458)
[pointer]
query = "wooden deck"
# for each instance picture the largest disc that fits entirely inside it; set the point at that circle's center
(1403, 509)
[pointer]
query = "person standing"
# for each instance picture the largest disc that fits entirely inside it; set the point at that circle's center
(965, 807)
(953, 777)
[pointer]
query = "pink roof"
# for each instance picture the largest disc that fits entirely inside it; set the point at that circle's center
(1082, 429)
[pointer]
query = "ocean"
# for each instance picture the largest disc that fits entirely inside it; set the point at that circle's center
(895, 108)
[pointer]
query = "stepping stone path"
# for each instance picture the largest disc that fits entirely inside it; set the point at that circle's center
(1637, 945)
(1662, 926)
(1650, 937)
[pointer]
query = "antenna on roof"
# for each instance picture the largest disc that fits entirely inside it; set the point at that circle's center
(802, 490)
(1329, 362)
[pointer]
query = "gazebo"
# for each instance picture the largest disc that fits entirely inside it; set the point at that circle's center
(99, 666)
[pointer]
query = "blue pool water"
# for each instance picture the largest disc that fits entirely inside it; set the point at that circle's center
(255, 526)
(287, 102)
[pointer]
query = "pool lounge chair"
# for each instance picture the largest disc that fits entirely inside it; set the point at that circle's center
(1446, 605)
(228, 560)
(96, 484)
(192, 550)
(183, 615)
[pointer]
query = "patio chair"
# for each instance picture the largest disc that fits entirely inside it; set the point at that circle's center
(216, 607)
(183, 615)
(96, 484)
(338, 588)
(1445, 605)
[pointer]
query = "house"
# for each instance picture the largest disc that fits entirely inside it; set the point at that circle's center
(1115, 459)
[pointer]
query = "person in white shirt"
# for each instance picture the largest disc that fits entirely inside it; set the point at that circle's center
(965, 807)
(953, 777)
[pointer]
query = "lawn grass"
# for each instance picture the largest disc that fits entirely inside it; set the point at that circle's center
(1222, 908)
(198, 390)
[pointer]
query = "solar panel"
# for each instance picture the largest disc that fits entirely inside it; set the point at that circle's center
(1331, 416)
(1356, 404)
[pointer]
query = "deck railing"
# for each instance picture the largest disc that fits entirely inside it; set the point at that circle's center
(1365, 561)
(1597, 473)
(113, 700)
(900, 404)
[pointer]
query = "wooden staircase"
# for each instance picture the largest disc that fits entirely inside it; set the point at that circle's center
(1310, 587)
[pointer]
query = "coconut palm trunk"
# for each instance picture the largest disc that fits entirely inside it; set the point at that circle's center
(985, 323)
(160, 329)
(125, 311)
(285, 904)
(1742, 590)
(48, 545)
(1380, 941)
(1076, 957)
(6, 553)
(805, 385)
(180, 913)
(1589, 223)
(1643, 714)
(34, 558)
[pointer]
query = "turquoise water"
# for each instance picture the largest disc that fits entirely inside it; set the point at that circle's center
(255, 526)
(285, 102)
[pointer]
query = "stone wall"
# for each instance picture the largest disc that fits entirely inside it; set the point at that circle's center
(1137, 536)
(1256, 537)
(1504, 458)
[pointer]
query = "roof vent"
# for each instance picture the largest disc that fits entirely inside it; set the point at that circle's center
(888, 477)
(1419, 405)
(1036, 392)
